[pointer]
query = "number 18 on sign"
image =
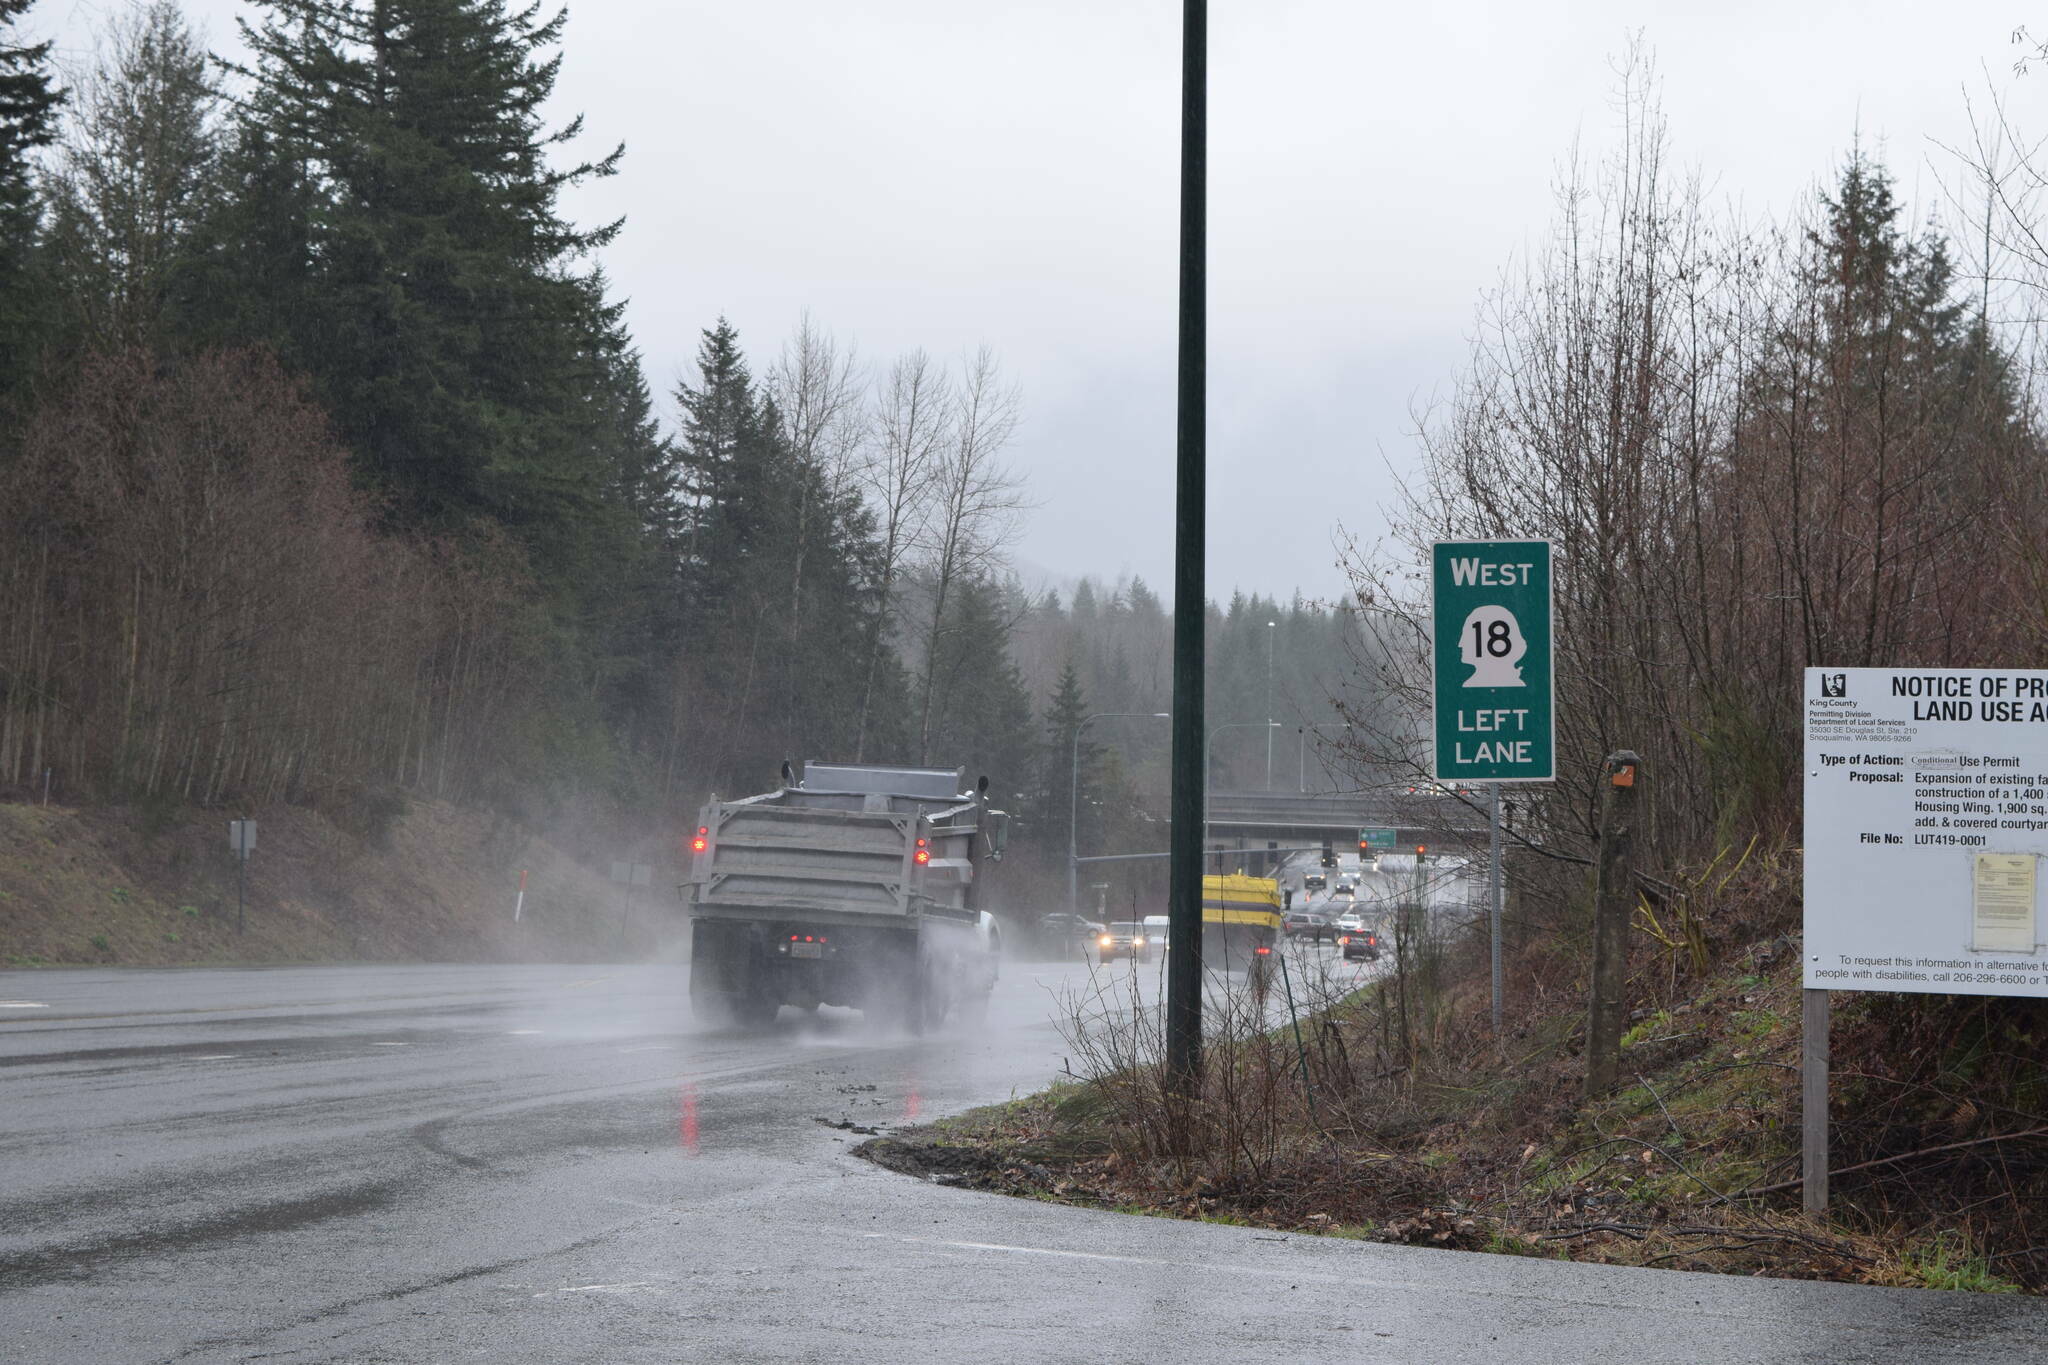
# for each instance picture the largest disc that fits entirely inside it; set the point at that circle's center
(1494, 714)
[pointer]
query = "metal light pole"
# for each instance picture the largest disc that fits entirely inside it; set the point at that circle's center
(1190, 593)
(1074, 802)
(1301, 751)
(1269, 703)
(1209, 765)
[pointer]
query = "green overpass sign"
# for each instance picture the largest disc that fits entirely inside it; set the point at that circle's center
(1495, 698)
(1375, 838)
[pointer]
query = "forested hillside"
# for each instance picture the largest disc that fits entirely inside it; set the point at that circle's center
(333, 476)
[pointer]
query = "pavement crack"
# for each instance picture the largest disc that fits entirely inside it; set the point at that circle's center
(336, 1309)
(50, 1265)
(430, 1136)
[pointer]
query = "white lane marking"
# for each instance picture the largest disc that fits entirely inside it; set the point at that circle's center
(1362, 1278)
(651, 1047)
(626, 1287)
(391, 1045)
(1027, 1251)
(218, 1057)
(521, 1032)
(22, 1005)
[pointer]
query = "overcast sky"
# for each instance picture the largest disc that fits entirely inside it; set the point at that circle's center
(944, 174)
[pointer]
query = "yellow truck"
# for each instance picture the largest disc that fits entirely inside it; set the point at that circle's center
(1240, 921)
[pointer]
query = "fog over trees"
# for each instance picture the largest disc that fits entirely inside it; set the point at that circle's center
(334, 475)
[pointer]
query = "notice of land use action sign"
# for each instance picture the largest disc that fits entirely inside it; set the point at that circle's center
(1926, 820)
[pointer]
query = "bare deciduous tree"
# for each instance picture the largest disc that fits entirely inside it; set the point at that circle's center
(134, 172)
(976, 503)
(910, 428)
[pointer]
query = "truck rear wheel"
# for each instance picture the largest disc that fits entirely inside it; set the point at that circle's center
(728, 985)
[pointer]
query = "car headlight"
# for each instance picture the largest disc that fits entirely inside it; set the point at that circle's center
(1107, 941)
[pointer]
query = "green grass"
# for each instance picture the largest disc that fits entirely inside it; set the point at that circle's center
(1648, 1028)
(1948, 1264)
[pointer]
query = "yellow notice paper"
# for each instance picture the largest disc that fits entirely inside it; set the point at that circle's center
(2002, 903)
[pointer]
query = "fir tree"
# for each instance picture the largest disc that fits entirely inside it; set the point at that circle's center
(28, 111)
(441, 323)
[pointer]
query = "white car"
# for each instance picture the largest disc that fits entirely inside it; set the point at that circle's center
(1350, 923)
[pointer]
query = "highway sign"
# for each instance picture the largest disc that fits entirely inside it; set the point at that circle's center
(1376, 838)
(1494, 689)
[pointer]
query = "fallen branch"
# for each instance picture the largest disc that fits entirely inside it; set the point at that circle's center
(1782, 1186)
(1747, 1236)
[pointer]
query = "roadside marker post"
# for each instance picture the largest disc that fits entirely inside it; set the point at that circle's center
(519, 906)
(1494, 686)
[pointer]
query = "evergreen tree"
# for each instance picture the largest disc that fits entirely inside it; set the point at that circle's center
(981, 713)
(780, 576)
(28, 111)
(1066, 757)
(441, 321)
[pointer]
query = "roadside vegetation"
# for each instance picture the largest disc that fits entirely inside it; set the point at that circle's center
(1340, 1119)
(433, 882)
(1756, 447)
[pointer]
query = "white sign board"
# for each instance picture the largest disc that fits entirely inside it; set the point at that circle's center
(632, 874)
(242, 837)
(1926, 824)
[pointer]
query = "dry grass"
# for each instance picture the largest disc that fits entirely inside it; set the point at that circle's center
(1427, 1129)
(136, 887)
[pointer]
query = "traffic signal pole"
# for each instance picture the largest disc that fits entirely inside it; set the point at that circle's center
(1190, 592)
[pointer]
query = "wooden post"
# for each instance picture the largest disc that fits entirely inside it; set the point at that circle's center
(1614, 897)
(1813, 1100)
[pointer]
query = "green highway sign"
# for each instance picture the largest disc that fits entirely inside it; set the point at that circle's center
(1495, 698)
(1375, 838)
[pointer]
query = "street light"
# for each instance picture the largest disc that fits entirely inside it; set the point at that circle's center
(1269, 703)
(1209, 763)
(1301, 747)
(1074, 800)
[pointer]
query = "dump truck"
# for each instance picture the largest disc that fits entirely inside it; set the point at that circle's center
(857, 885)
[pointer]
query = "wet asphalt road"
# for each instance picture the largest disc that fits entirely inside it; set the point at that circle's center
(554, 1164)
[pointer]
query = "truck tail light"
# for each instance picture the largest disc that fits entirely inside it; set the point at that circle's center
(702, 841)
(1262, 950)
(924, 854)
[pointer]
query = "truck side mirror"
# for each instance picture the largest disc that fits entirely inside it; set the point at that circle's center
(998, 833)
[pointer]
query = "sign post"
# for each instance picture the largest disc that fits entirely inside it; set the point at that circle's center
(1494, 687)
(242, 839)
(629, 875)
